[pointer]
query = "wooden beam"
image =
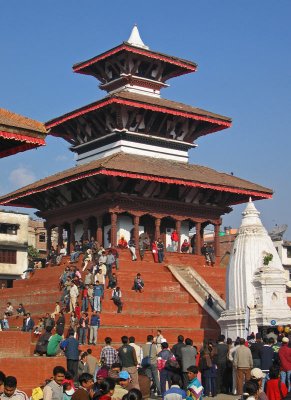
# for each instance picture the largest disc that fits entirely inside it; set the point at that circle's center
(164, 190)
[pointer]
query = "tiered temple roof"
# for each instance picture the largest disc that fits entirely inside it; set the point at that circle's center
(136, 169)
(134, 143)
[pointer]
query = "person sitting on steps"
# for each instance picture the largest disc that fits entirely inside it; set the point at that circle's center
(138, 283)
(116, 297)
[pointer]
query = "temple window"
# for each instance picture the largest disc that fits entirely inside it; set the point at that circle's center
(288, 251)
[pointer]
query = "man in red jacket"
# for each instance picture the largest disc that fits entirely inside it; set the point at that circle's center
(285, 362)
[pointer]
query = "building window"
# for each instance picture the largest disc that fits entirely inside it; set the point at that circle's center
(42, 237)
(288, 251)
(8, 256)
(9, 229)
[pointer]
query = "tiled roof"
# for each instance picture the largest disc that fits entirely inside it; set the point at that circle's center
(127, 46)
(149, 168)
(142, 99)
(13, 120)
(169, 104)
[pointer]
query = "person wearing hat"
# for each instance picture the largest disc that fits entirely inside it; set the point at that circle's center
(102, 374)
(285, 362)
(257, 375)
(121, 387)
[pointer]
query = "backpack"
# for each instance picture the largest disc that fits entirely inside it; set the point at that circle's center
(37, 393)
(172, 365)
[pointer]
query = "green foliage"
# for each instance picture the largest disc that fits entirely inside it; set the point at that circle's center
(268, 258)
(32, 252)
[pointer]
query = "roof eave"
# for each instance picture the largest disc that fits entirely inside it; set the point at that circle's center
(10, 198)
(189, 66)
(224, 121)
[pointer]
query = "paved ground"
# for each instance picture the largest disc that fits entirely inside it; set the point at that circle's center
(222, 397)
(218, 397)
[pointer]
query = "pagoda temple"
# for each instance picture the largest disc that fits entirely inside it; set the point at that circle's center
(132, 173)
(18, 133)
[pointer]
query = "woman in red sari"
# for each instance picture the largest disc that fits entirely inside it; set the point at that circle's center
(155, 251)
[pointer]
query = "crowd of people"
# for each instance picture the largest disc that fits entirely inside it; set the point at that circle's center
(130, 372)
(255, 368)
(82, 293)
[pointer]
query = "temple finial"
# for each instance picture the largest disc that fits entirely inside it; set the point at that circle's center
(135, 39)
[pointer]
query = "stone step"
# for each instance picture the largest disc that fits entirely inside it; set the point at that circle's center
(40, 368)
(131, 307)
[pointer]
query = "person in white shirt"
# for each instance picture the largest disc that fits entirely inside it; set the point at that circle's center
(138, 350)
(159, 339)
(74, 293)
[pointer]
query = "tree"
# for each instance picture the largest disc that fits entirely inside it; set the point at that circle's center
(32, 252)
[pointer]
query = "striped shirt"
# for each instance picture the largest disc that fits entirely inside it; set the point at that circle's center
(17, 395)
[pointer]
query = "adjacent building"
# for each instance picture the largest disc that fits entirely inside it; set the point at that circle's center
(13, 246)
(37, 236)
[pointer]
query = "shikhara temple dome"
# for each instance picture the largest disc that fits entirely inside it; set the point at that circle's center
(250, 247)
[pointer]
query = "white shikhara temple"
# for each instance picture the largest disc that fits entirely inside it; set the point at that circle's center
(256, 282)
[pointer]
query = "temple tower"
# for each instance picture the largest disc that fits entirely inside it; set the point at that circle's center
(132, 172)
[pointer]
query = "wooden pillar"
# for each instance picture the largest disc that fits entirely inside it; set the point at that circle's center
(85, 228)
(178, 229)
(158, 228)
(198, 243)
(60, 235)
(136, 231)
(72, 236)
(113, 229)
(99, 229)
(216, 240)
(49, 238)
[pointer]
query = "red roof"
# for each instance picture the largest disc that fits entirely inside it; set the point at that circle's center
(151, 103)
(145, 168)
(184, 65)
(19, 133)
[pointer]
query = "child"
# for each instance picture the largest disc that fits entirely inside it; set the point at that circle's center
(68, 391)
(194, 388)
(5, 323)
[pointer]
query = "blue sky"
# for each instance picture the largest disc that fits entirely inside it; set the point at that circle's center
(243, 52)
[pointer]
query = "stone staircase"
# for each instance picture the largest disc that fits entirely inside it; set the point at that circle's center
(199, 289)
(164, 304)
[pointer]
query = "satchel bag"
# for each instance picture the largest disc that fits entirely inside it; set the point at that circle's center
(146, 361)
